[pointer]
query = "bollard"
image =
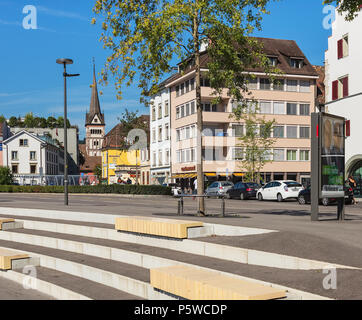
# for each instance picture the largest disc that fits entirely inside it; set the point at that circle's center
(223, 206)
(179, 207)
(182, 206)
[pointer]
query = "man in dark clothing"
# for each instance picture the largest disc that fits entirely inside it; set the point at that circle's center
(353, 185)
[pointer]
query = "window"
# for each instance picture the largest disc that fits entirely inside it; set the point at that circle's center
(160, 133)
(304, 132)
(304, 109)
(304, 86)
(273, 61)
(166, 108)
(252, 83)
(177, 112)
(14, 155)
(342, 47)
(279, 107)
(205, 82)
(340, 88)
(192, 107)
(14, 168)
(187, 133)
(23, 142)
(182, 88)
(153, 135)
(154, 158)
(265, 107)
(264, 131)
(32, 155)
(278, 154)
(304, 155)
(292, 85)
(296, 63)
(160, 157)
(178, 156)
(33, 168)
(167, 157)
(192, 84)
(182, 111)
(278, 132)
(237, 154)
(291, 155)
(278, 85)
(292, 132)
(153, 113)
(206, 107)
(187, 109)
(187, 84)
(159, 111)
(178, 135)
(264, 84)
(237, 130)
(177, 91)
(167, 136)
(291, 108)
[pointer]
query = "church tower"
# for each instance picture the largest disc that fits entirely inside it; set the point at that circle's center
(94, 123)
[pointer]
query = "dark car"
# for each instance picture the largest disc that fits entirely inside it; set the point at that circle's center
(304, 197)
(243, 190)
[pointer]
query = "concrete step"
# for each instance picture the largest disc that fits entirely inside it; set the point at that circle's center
(150, 257)
(83, 287)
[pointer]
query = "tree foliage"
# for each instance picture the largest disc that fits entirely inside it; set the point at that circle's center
(349, 7)
(145, 38)
(256, 142)
(6, 177)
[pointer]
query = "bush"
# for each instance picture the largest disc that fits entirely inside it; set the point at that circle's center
(114, 188)
(6, 177)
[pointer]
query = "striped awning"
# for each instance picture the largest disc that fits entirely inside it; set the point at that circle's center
(210, 174)
(238, 174)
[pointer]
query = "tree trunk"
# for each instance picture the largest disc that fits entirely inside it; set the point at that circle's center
(199, 167)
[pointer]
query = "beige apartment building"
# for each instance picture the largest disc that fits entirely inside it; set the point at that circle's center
(290, 103)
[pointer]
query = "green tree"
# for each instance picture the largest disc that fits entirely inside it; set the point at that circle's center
(98, 172)
(6, 177)
(42, 122)
(13, 122)
(51, 122)
(29, 120)
(256, 143)
(350, 7)
(2, 119)
(146, 36)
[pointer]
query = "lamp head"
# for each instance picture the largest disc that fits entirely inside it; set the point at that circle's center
(65, 61)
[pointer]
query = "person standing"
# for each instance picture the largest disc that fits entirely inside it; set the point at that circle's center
(353, 185)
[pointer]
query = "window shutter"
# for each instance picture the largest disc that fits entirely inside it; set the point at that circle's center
(340, 48)
(345, 87)
(335, 90)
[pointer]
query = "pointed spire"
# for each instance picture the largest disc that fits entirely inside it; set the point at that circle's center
(94, 108)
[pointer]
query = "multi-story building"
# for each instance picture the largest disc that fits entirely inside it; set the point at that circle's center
(32, 157)
(160, 142)
(4, 134)
(120, 163)
(343, 82)
(289, 101)
(57, 134)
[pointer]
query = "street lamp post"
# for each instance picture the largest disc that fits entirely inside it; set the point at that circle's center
(64, 62)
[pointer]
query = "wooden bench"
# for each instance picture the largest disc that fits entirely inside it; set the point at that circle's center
(156, 226)
(196, 284)
(7, 256)
(5, 220)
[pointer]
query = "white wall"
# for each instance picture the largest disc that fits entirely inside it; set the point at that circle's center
(350, 108)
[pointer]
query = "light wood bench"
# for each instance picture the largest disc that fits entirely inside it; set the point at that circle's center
(196, 284)
(4, 220)
(7, 256)
(156, 226)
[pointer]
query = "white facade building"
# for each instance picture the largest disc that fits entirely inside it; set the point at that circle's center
(160, 137)
(30, 157)
(343, 82)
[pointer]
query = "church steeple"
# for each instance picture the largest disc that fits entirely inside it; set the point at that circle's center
(94, 108)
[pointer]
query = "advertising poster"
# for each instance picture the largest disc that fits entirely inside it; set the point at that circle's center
(332, 156)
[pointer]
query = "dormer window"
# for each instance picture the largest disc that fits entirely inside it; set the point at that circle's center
(296, 63)
(273, 61)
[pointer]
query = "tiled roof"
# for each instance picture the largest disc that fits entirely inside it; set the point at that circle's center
(89, 162)
(282, 49)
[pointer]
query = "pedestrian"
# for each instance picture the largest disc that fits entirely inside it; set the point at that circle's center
(129, 181)
(353, 185)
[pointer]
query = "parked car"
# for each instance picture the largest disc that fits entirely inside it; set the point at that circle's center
(218, 188)
(304, 197)
(280, 190)
(243, 190)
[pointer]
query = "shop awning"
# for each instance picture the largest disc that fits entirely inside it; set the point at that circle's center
(238, 174)
(210, 174)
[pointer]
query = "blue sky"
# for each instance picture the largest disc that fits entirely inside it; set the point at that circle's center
(31, 81)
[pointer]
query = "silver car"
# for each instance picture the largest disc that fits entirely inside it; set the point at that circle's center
(218, 188)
